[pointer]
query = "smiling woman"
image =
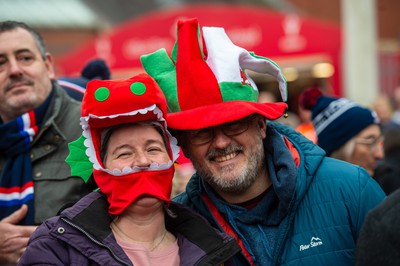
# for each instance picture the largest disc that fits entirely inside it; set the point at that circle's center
(132, 156)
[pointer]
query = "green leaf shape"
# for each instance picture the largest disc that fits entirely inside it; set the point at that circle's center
(78, 160)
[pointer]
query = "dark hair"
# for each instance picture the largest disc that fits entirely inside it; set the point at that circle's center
(10, 25)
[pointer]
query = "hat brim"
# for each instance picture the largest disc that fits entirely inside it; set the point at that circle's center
(216, 114)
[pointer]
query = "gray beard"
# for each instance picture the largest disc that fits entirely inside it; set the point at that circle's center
(243, 180)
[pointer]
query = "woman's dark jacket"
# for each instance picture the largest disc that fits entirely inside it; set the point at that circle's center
(81, 235)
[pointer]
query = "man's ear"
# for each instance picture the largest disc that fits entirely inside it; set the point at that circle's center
(262, 125)
(49, 62)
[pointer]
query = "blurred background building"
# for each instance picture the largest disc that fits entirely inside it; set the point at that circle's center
(313, 41)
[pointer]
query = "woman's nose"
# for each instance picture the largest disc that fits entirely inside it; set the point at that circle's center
(141, 160)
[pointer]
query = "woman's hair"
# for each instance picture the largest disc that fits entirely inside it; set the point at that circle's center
(107, 132)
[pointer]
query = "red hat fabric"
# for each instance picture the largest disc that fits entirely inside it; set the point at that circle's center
(205, 80)
(108, 103)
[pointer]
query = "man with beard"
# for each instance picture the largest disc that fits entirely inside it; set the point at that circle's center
(37, 121)
(275, 191)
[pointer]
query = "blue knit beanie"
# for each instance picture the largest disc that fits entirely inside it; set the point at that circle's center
(336, 120)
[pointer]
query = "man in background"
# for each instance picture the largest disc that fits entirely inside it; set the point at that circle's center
(37, 121)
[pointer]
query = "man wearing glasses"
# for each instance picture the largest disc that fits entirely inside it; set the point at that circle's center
(275, 191)
(345, 130)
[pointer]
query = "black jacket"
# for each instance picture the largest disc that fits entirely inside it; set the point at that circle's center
(81, 235)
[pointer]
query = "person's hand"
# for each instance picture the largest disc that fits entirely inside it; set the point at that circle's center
(14, 238)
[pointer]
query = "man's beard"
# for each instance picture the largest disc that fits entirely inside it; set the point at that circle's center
(246, 176)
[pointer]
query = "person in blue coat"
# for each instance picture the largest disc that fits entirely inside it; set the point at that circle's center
(275, 191)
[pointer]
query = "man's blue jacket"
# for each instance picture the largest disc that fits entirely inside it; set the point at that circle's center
(324, 215)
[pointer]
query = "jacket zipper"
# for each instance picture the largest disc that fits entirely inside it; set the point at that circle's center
(211, 256)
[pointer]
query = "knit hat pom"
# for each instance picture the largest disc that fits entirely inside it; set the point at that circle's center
(96, 68)
(308, 99)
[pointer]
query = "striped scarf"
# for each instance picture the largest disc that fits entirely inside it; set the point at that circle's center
(16, 184)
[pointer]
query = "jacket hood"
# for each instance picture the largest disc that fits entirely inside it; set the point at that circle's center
(311, 157)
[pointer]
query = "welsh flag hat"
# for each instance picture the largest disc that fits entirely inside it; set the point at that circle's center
(205, 80)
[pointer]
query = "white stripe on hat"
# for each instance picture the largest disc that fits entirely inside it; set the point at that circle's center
(227, 59)
(331, 112)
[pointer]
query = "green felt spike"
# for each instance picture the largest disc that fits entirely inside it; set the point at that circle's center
(78, 160)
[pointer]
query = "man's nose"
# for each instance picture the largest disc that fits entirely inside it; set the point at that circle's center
(15, 68)
(220, 140)
(378, 151)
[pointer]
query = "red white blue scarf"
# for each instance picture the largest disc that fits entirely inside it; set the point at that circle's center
(16, 183)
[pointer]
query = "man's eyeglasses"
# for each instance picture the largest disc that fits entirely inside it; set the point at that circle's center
(372, 142)
(205, 135)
